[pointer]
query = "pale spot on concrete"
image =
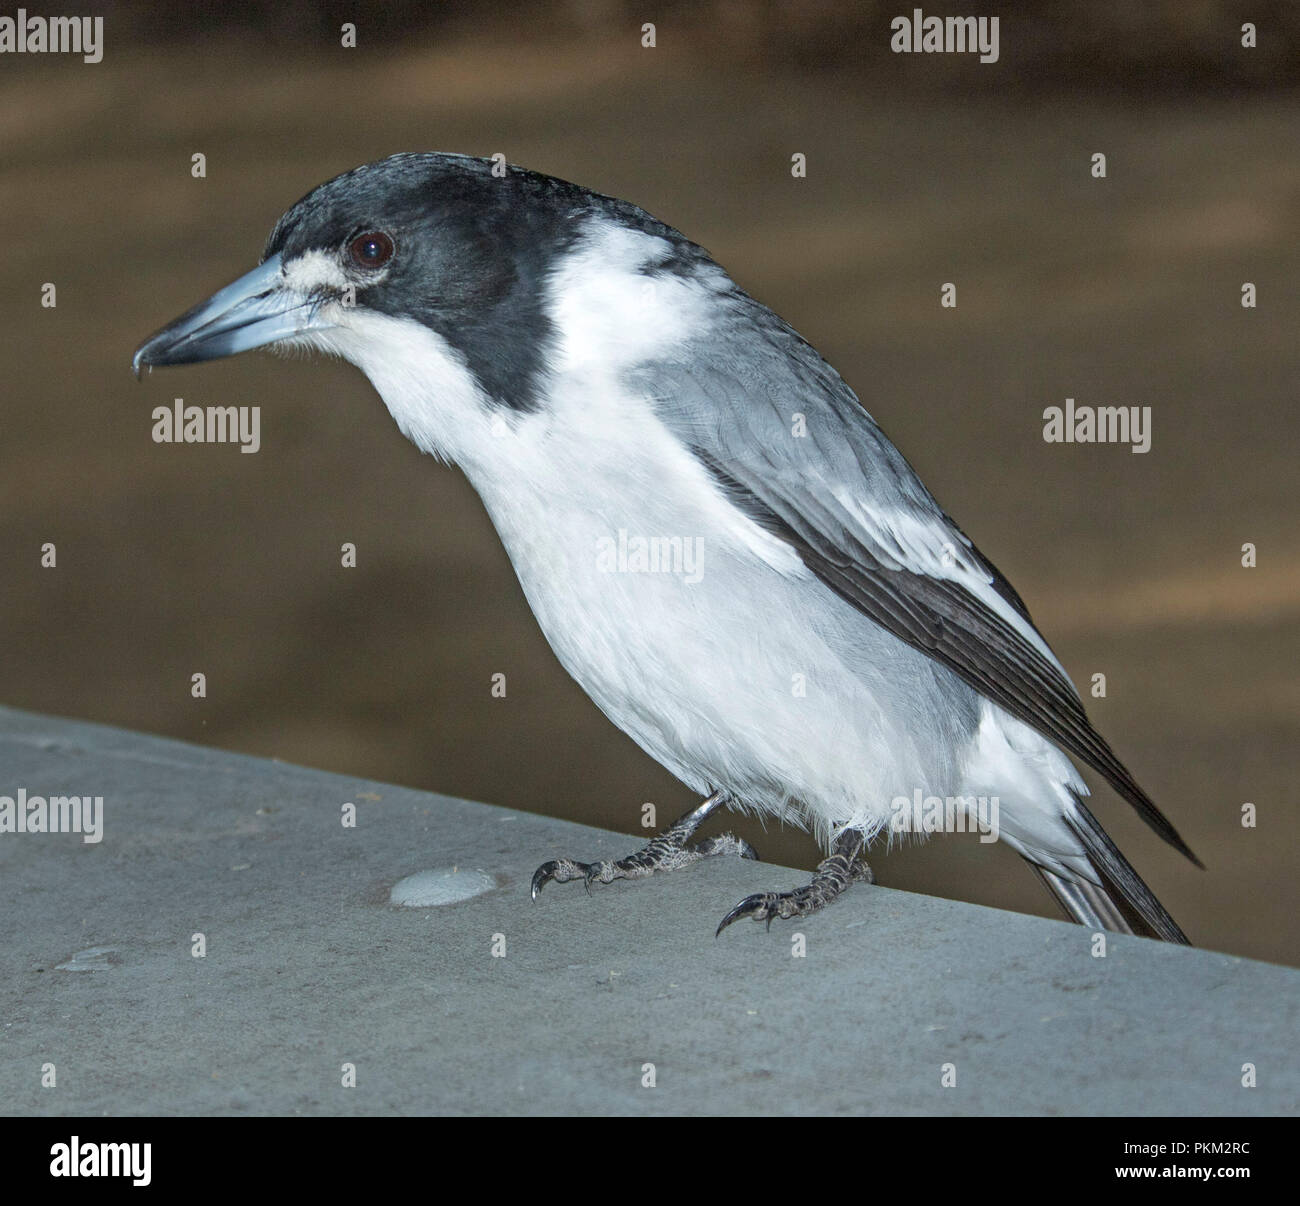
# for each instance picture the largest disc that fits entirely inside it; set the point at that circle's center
(93, 958)
(446, 886)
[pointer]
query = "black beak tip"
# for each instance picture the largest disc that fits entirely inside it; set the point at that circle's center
(143, 360)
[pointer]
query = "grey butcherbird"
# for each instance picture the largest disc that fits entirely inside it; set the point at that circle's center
(839, 648)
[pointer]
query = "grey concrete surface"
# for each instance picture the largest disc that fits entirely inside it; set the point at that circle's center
(308, 967)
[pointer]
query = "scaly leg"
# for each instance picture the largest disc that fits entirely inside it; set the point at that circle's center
(833, 875)
(666, 852)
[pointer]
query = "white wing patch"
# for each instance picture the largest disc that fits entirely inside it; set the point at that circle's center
(919, 544)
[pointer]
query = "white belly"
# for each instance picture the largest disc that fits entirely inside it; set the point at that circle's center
(726, 662)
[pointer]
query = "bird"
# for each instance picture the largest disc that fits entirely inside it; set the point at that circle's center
(719, 542)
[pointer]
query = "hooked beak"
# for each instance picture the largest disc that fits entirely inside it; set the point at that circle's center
(256, 310)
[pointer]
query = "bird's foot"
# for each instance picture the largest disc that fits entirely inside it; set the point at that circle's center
(666, 852)
(844, 866)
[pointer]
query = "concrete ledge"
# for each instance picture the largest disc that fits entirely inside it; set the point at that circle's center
(309, 967)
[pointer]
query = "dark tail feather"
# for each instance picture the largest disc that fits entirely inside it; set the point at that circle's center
(1122, 903)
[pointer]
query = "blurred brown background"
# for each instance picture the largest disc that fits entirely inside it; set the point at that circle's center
(922, 169)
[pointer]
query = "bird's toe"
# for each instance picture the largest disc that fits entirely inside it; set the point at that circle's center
(558, 870)
(759, 907)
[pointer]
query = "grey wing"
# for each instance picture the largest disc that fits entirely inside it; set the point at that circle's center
(786, 437)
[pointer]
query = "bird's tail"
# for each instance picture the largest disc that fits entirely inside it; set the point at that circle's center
(1121, 902)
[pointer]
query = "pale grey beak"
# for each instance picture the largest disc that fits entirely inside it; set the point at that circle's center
(256, 310)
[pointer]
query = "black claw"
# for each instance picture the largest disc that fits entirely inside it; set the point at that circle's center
(542, 876)
(726, 921)
(751, 904)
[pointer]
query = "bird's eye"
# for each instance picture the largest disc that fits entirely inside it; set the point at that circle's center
(371, 250)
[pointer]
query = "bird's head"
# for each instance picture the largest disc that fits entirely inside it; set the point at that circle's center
(439, 242)
(456, 284)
